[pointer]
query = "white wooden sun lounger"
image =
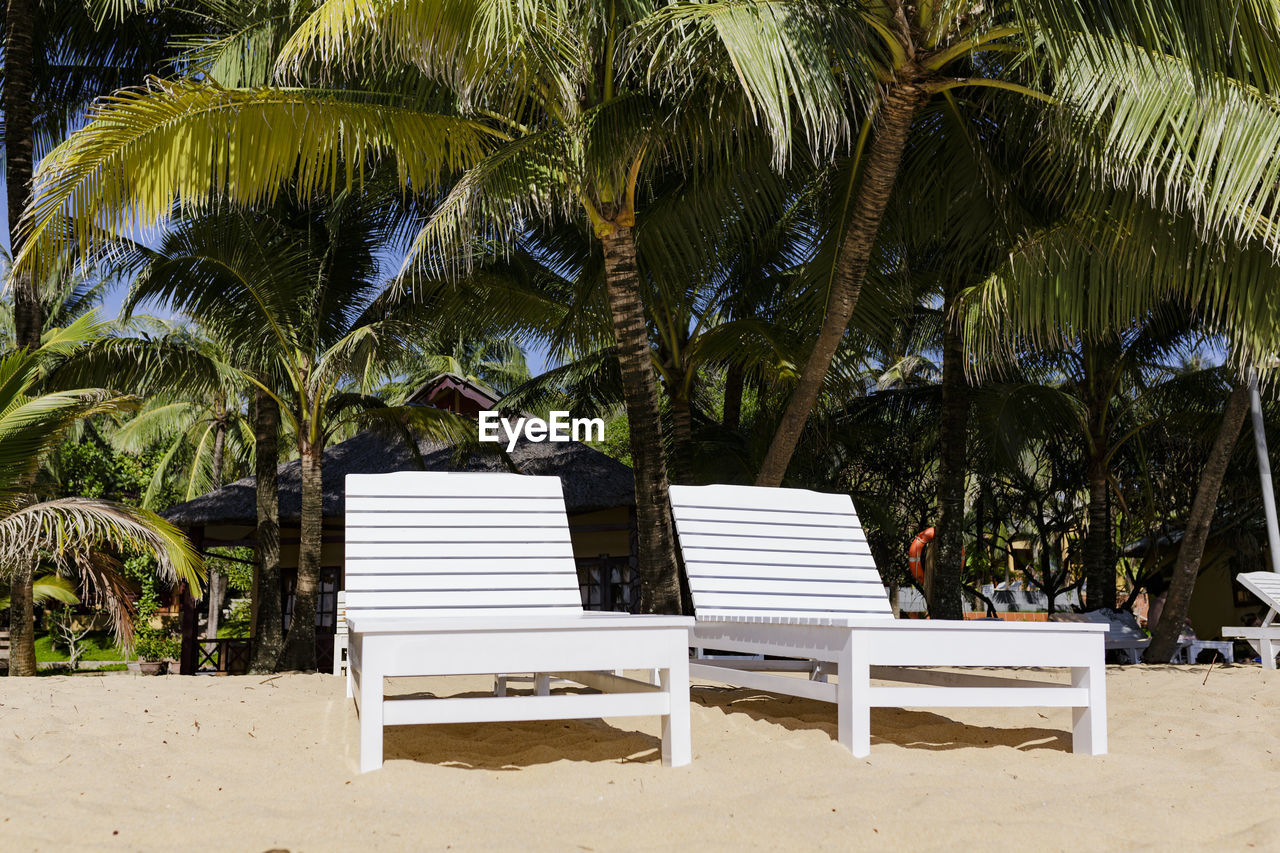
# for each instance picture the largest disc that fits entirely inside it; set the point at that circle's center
(466, 573)
(1265, 638)
(786, 572)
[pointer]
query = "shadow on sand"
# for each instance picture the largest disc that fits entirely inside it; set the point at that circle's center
(909, 729)
(516, 745)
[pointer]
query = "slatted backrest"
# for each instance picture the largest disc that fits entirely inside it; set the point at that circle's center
(422, 543)
(1265, 585)
(793, 553)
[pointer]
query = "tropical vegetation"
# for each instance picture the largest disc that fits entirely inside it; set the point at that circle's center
(1000, 269)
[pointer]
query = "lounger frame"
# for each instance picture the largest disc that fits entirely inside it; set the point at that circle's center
(473, 574)
(1265, 638)
(787, 573)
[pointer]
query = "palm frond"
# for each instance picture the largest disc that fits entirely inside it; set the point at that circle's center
(192, 144)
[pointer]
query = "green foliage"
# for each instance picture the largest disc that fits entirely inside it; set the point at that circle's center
(238, 622)
(533, 131)
(98, 645)
(76, 535)
(157, 646)
(239, 571)
(617, 439)
(153, 639)
(90, 467)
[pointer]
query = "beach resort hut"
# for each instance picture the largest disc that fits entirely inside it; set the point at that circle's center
(598, 491)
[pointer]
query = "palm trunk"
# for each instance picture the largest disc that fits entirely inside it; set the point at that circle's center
(944, 602)
(268, 624)
(682, 435)
(1164, 640)
(22, 622)
(219, 450)
(28, 315)
(733, 384)
(1099, 562)
(217, 580)
(300, 643)
(897, 111)
(18, 104)
(659, 576)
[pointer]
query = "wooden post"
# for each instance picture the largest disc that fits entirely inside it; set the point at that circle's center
(187, 659)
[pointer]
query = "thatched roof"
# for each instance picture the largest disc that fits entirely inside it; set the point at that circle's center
(591, 480)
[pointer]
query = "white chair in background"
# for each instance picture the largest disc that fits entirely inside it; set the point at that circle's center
(1264, 638)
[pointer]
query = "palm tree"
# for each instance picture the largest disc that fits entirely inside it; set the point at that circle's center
(711, 311)
(297, 299)
(203, 433)
(76, 534)
(47, 86)
(527, 120)
(1164, 635)
(897, 58)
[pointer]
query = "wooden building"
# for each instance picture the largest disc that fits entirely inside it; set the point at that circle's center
(598, 490)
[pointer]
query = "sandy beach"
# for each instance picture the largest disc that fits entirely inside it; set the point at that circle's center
(124, 762)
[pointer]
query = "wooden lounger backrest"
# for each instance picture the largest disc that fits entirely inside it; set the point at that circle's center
(427, 543)
(1265, 585)
(785, 553)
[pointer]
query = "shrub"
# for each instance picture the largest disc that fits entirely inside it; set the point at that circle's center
(154, 645)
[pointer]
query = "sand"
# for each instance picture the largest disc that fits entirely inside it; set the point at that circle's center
(125, 762)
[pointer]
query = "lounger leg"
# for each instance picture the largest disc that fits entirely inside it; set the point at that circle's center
(677, 749)
(853, 696)
(370, 718)
(1089, 725)
(542, 684)
(350, 682)
(1267, 651)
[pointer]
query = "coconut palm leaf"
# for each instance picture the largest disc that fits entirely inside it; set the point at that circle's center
(194, 143)
(68, 530)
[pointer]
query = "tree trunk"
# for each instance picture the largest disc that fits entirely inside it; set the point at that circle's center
(1099, 560)
(733, 384)
(682, 436)
(300, 643)
(219, 450)
(217, 580)
(17, 102)
(217, 591)
(899, 108)
(1164, 640)
(659, 576)
(22, 621)
(268, 624)
(945, 602)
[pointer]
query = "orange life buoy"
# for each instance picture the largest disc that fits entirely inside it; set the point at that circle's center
(915, 554)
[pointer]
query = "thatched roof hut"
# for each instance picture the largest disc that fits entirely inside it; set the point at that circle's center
(592, 481)
(599, 495)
